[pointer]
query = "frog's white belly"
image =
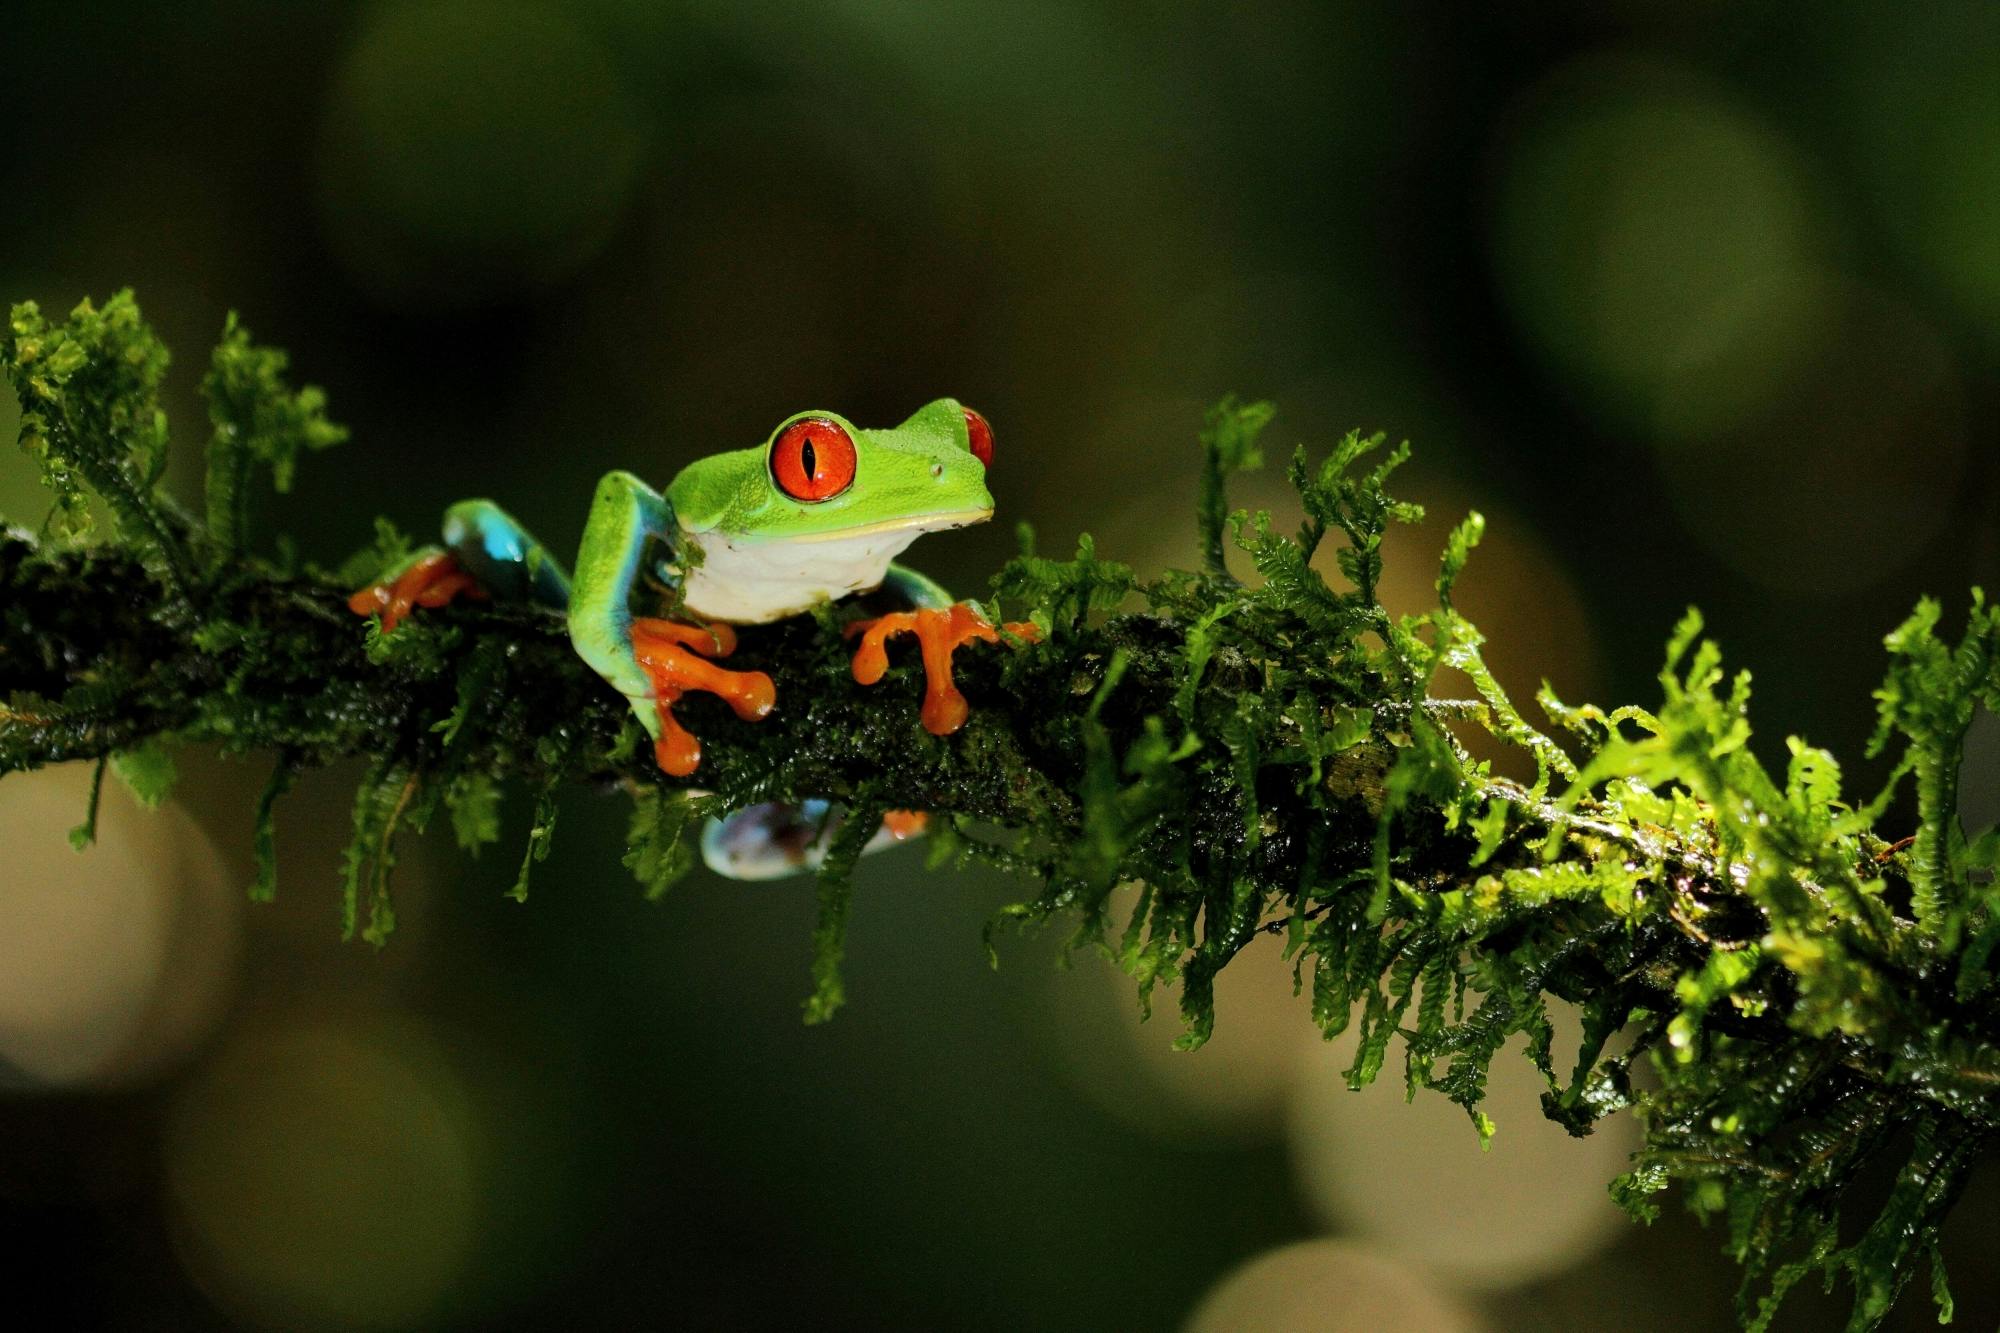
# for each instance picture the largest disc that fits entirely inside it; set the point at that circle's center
(753, 582)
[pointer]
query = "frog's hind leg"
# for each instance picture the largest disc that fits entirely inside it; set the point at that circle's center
(775, 839)
(485, 554)
(502, 556)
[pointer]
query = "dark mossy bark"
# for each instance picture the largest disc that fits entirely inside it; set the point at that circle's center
(1269, 754)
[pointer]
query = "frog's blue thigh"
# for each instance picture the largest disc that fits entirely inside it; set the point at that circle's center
(504, 556)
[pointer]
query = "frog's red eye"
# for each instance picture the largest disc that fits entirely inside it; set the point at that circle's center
(979, 435)
(813, 459)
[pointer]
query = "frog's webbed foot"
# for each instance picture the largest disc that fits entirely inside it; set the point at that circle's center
(673, 657)
(433, 579)
(940, 633)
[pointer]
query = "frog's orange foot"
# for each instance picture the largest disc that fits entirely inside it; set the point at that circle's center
(430, 580)
(672, 656)
(902, 825)
(939, 635)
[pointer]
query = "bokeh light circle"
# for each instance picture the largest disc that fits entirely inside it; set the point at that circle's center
(1229, 1091)
(1327, 1286)
(1848, 472)
(1411, 1177)
(1658, 243)
(325, 1175)
(1920, 89)
(115, 962)
(474, 151)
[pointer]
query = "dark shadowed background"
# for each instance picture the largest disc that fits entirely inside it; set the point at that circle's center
(1697, 302)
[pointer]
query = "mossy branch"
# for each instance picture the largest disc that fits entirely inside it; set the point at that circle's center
(1264, 756)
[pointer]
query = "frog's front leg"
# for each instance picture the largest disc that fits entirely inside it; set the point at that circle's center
(651, 662)
(942, 627)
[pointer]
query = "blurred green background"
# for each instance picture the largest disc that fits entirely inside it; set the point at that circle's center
(1698, 302)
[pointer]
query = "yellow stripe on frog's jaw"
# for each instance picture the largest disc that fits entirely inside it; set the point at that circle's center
(962, 518)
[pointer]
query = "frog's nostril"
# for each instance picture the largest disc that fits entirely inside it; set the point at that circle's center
(937, 469)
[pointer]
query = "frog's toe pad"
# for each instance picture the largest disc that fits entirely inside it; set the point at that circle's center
(434, 579)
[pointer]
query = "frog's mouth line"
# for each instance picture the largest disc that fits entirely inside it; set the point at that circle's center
(961, 518)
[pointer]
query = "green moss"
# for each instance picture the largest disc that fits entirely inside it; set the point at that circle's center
(660, 849)
(256, 419)
(147, 770)
(1815, 997)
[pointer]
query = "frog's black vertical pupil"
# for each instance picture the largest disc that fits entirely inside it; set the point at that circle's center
(813, 460)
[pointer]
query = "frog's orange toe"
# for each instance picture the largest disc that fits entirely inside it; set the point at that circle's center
(716, 640)
(666, 651)
(677, 751)
(756, 698)
(940, 633)
(432, 580)
(944, 711)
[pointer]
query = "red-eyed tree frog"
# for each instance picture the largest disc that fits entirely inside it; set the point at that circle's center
(815, 514)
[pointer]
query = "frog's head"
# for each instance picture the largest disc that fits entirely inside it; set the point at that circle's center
(821, 478)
